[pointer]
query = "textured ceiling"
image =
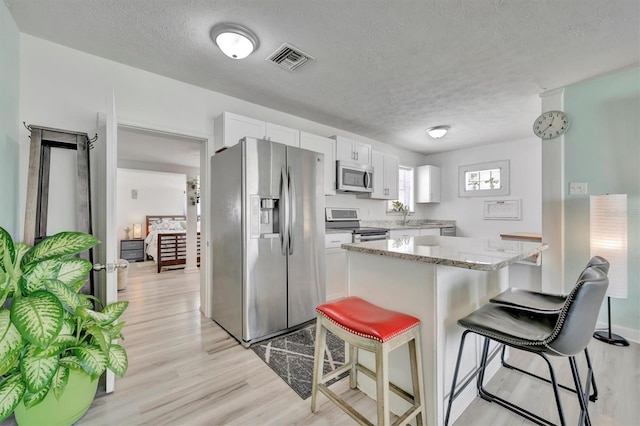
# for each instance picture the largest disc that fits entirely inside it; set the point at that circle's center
(383, 69)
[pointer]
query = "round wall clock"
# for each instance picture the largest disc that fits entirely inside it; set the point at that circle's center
(551, 124)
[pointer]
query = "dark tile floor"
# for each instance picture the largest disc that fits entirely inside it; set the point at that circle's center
(291, 357)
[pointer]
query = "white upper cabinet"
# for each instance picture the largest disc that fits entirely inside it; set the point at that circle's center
(326, 146)
(229, 128)
(352, 151)
(427, 184)
(281, 134)
(385, 177)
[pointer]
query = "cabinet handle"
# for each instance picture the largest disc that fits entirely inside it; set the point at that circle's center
(357, 156)
(335, 241)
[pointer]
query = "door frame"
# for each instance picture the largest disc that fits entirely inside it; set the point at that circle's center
(206, 152)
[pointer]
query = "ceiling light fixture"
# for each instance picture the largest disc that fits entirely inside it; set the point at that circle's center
(437, 132)
(235, 41)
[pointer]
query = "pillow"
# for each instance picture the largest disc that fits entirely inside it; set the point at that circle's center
(168, 225)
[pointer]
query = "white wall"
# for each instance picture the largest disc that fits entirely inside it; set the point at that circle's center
(69, 92)
(525, 177)
(9, 121)
(158, 194)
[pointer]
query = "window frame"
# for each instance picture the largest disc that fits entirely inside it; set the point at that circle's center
(502, 165)
(412, 198)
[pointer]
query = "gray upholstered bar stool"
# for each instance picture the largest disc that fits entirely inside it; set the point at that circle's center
(565, 334)
(545, 303)
(366, 326)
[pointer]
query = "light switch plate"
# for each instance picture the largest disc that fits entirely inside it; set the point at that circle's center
(578, 188)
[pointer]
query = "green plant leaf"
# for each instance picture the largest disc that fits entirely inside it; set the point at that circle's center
(10, 342)
(92, 360)
(71, 362)
(32, 399)
(38, 317)
(33, 277)
(115, 331)
(114, 310)
(59, 381)
(62, 342)
(11, 391)
(38, 372)
(90, 314)
(77, 286)
(7, 251)
(73, 270)
(101, 337)
(59, 245)
(69, 299)
(118, 361)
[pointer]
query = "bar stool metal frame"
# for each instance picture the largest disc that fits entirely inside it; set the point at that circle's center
(381, 349)
(565, 334)
(545, 303)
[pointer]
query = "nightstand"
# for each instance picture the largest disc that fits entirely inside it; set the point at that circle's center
(132, 250)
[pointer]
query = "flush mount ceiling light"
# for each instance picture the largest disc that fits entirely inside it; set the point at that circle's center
(437, 132)
(235, 41)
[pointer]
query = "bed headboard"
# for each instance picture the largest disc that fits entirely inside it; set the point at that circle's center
(151, 219)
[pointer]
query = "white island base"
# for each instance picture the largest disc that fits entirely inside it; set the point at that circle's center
(438, 295)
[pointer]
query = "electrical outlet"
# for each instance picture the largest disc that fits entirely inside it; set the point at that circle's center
(578, 188)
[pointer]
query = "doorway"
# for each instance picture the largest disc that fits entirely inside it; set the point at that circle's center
(163, 160)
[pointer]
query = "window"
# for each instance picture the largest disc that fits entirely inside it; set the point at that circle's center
(484, 179)
(405, 189)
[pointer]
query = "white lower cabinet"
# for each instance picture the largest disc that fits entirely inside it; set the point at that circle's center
(429, 231)
(336, 262)
(404, 233)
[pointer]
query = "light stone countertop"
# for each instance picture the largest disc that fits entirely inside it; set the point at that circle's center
(459, 252)
(412, 224)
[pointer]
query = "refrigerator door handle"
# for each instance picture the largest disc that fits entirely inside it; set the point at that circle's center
(292, 211)
(283, 213)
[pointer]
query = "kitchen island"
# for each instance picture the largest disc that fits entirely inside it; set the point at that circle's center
(438, 280)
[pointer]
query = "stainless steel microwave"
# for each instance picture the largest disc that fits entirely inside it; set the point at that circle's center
(354, 177)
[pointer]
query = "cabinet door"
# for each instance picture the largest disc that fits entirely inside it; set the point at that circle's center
(404, 233)
(230, 128)
(362, 153)
(326, 146)
(430, 231)
(391, 167)
(344, 149)
(427, 184)
(379, 184)
(281, 134)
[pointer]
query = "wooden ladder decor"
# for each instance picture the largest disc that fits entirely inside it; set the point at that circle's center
(38, 181)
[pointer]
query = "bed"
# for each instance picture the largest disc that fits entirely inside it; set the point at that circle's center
(166, 241)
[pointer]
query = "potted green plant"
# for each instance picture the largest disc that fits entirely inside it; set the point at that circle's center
(52, 339)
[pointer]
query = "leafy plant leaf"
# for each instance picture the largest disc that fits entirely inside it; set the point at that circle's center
(115, 331)
(31, 399)
(92, 360)
(11, 391)
(69, 299)
(59, 381)
(73, 270)
(114, 310)
(101, 337)
(38, 372)
(71, 362)
(90, 314)
(59, 245)
(32, 279)
(38, 317)
(118, 361)
(62, 342)
(7, 251)
(10, 342)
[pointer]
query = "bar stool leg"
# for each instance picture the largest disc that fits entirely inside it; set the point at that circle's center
(318, 363)
(353, 360)
(452, 393)
(382, 385)
(415, 359)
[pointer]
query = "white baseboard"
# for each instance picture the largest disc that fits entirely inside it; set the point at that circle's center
(630, 334)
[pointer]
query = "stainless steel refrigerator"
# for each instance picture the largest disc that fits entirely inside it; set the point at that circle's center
(267, 204)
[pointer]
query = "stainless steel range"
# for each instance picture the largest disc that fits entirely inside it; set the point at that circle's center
(348, 219)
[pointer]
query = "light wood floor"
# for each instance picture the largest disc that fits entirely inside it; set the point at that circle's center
(185, 370)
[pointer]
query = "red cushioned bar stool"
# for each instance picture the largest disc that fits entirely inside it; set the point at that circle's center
(363, 325)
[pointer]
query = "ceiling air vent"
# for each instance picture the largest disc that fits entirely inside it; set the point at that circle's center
(289, 57)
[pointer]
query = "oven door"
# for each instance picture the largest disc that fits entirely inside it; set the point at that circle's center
(354, 177)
